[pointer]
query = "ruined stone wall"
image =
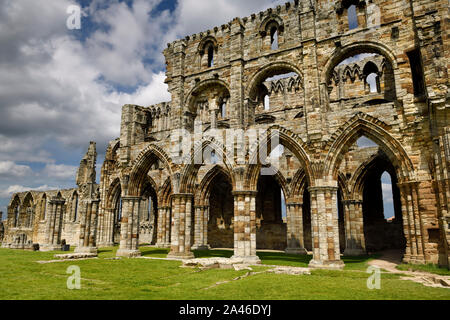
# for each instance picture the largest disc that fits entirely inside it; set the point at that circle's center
(220, 79)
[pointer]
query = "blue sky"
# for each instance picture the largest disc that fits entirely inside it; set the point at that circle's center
(61, 88)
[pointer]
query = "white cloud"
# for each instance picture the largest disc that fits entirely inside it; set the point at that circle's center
(18, 188)
(59, 171)
(11, 169)
(387, 192)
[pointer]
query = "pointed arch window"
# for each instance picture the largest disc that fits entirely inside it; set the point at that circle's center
(274, 38)
(210, 56)
(352, 17)
(75, 207)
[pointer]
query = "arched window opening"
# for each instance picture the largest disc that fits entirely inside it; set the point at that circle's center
(365, 142)
(373, 82)
(75, 207)
(352, 17)
(223, 110)
(118, 210)
(214, 158)
(266, 102)
(274, 88)
(210, 56)
(16, 216)
(283, 207)
(43, 207)
(388, 200)
(274, 38)
(415, 60)
(357, 76)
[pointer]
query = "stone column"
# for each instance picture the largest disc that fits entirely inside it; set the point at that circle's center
(88, 228)
(107, 237)
(201, 228)
(167, 223)
(129, 229)
(53, 226)
(354, 228)
(181, 227)
(412, 224)
(245, 226)
(325, 228)
(163, 240)
(295, 240)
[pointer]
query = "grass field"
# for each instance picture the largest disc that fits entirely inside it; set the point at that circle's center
(141, 279)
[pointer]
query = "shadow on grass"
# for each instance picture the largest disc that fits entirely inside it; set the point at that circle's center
(213, 253)
(275, 258)
(154, 252)
(279, 258)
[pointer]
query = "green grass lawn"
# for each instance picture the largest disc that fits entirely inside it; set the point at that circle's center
(22, 278)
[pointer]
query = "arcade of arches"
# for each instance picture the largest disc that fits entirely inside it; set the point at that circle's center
(361, 165)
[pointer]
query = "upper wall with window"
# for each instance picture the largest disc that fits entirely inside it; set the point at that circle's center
(367, 77)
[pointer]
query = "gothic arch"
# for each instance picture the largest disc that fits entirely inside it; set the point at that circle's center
(352, 49)
(271, 20)
(267, 71)
(298, 185)
(114, 188)
(142, 165)
(289, 140)
(201, 87)
(165, 193)
(205, 41)
(189, 173)
(363, 124)
(204, 188)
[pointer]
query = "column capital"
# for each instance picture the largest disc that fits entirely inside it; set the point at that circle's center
(323, 188)
(182, 196)
(131, 198)
(292, 204)
(245, 193)
(57, 201)
(203, 207)
(352, 201)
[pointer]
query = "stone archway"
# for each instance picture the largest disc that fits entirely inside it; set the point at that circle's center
(364, 125)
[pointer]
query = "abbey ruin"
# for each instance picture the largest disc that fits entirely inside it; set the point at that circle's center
(266, 114)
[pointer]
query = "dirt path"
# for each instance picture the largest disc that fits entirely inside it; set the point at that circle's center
(389, 260)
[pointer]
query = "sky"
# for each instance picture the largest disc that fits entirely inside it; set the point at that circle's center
(61, 88)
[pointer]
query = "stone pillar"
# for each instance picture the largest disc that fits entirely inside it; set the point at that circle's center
(163, 231)
(201, 228)
(325, 228)
(88, 228)
(107, 237)
(412, 224)
(245, 226)
(295, 240)
(53, 225)
(129, 231)
(181, 227)
(354, 228)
